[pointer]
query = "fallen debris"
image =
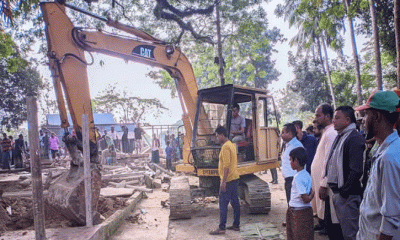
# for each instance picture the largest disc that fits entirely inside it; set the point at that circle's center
(116, 192)
(142, 189)
(156, 166)
(128, 174)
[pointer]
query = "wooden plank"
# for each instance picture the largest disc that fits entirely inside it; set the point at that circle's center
(87, 172)
(36, 169)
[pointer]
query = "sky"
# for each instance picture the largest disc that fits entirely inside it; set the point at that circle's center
(131, 77)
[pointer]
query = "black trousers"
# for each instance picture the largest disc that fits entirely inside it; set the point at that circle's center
(288, 187)
(274, 174)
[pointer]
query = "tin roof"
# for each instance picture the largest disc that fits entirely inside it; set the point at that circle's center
(99, 119)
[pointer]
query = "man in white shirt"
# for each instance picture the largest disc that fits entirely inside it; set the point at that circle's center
(322, 202)
(289, 137)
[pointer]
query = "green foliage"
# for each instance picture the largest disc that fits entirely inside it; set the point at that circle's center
(385, 21)
(288, 105)
(18, 79)
(9, 54)
(247, 49)
(309, 82)
(15, 87)
(314, 19)
(368, 69)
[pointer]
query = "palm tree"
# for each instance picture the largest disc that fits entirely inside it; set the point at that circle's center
(397, 34)
(375, 30)
(310, 33)
(355, 53)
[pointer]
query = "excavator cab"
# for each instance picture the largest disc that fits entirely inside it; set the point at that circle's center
(259, 144)
(257, 148)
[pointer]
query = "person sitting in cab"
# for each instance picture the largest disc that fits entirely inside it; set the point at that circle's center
(238, 125)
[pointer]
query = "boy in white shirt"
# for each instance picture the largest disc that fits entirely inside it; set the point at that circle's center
(299, 216)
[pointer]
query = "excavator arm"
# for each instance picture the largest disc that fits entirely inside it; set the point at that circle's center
(66, 47)
(66, 51)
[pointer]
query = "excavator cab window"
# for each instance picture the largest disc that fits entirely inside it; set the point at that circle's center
(216, 104)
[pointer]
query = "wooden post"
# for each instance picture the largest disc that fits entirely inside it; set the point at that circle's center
(87, 172)
(220, 58)
(36, 171)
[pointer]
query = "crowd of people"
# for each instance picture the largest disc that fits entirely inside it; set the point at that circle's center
(345, 176)
(112, 141)
(49, 145)
(353, 190)
(173, 149)
(12, 152)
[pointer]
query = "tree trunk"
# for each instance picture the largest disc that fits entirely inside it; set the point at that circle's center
(397, 34)
(320, 55)
(313, 53)
(221, 61)
(322, 63)
(328, 74)
(355, 55)
(375, 30)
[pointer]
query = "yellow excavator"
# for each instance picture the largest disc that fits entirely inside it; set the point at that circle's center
(203, 110)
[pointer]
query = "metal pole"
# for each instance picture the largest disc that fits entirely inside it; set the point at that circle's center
(87, 172)
(37, 186)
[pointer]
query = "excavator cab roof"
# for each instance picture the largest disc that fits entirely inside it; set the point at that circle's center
(222, 94)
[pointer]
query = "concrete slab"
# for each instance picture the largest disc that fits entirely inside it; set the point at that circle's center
(116, 192)
(9, 179)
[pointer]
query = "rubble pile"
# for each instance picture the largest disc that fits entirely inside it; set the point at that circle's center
(128, 174)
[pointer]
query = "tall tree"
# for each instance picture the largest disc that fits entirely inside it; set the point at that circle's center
(316, 21)
(397, 34)
(18, 79)
(15, 87)
(247, 48)
(328, 74)
(308, 82)
(355, 52)
(219, 45)
(377, 49)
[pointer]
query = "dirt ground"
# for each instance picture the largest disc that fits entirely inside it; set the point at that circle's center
(21, 217)
(150, 220)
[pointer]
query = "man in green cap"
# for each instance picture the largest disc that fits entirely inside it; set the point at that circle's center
(380, 208)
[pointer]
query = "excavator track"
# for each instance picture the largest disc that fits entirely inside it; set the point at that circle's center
(180, 199)
(256, 193)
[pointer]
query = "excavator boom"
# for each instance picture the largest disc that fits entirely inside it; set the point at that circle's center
(66, 51)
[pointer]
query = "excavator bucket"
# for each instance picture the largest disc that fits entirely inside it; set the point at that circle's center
(66, 196)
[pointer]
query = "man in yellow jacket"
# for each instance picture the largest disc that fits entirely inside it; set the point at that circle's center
(228, 190)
